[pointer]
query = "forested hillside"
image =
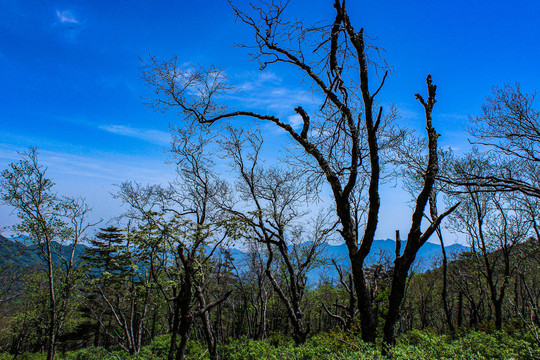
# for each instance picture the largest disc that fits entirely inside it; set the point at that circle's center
(118, 300)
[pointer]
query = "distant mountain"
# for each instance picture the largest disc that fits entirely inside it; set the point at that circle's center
(22, 253)
(16, 255)
(425, 259)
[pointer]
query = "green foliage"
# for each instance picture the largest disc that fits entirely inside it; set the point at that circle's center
(89, 353)
(25, 356)
(497, 345)
(424, 345)
(322, 346)
(473, 345)
(159, 349)
(279, 340)
(248, 350)
(159, 346)
(415, 345)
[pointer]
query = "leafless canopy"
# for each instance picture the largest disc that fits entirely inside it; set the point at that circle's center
(340, 139)
(509, 128)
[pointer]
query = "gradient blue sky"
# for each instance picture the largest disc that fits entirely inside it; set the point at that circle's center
(70, 77)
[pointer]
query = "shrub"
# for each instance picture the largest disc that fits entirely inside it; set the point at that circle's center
(248, 349)
(29, 356)
(89, 353)
(497, 345)
(477, 345)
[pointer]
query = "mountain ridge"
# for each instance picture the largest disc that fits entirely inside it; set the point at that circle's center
(21, 254)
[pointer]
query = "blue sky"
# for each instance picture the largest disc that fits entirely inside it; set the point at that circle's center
(70, 76)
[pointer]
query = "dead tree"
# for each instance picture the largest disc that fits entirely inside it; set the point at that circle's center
(508, 126)
(274, 197)
(340, 140)
(416, 237)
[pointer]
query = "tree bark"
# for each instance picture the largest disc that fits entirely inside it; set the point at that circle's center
(416, 238)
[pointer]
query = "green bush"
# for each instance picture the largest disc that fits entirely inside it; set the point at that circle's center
(89, 353)
(29, 356)
(418, 344)
(159, 347)
(414, 345)
(497, 345)
(327, 346)
(477, 345)
(248, 349)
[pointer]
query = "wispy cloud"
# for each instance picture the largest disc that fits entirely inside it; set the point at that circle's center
(107, 167)
(93, 168)
(89, 163)
(266, 92)
(91, 175)
(66, 17)
(295, 121)
(69, 25)
(257, 80)
(150, 135)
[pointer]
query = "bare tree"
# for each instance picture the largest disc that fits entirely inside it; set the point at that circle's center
(416, 237)
(411, 163)
(341, 139)
(494, 226)
(274, 198)
(509, 129)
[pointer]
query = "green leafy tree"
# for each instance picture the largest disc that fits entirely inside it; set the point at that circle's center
(103, 252)
(55, 224)
(189, 228)
(120, 284)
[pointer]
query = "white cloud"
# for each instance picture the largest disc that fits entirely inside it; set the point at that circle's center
(108, 167)
(280, 100)
(91, 175)
(69, 26)
(265, 91)
(66, 17)
(150, 135)
(295, 121)
(257, 80)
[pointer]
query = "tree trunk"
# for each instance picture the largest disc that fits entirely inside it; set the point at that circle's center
(497, 304)
(397, 292)
(444, 292)
(174, 328)
(209, 334)
(51, 349)
(186, 317)
(368, 325)
(460, 309)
